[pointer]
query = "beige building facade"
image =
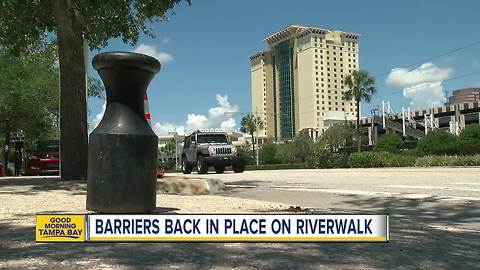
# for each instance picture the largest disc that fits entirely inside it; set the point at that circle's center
(298, 84)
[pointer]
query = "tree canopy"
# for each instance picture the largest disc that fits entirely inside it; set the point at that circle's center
(25, 25)
(76, 24)
(29, 93)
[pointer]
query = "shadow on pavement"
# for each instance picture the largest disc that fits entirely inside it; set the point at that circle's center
(413, 245)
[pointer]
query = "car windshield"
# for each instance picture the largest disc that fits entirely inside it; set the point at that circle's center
(212, 138)
(49, 146)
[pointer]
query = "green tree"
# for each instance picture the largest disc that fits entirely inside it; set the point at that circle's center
(170, 148)
(361, 87)
(389, 142)
(469, 140)
(287, 153)
(303, 147)
(268, 152)
(438, 142)
(29, 94)
(25, 25)
(337, 136)
(251, 124)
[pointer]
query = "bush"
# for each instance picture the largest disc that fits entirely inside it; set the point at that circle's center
(267, 153)
(287, 153)
(469, 140)
(389, 142)
(438, 142)
(428, 161)
(379, 159)
(325, 159)
(167, 165)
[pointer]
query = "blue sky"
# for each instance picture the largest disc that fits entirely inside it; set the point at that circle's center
(205, 49)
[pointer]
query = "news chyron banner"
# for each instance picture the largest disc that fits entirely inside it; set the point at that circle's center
(212, 228)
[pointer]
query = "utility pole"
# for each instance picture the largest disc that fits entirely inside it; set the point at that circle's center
(175, 134)
(403, 121)
(383, 113)
(256, 131)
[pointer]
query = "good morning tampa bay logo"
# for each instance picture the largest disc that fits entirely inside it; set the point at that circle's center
(60, 228)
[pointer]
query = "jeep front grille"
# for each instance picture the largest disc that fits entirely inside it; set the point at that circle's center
(223, 151)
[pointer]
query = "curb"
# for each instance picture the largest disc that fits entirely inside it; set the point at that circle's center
(189, 186)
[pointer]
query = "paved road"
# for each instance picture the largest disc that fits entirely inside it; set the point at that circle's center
(437, 196)
(434, 222)
(434, 212)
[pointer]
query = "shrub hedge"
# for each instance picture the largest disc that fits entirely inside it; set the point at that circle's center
(277, 166)
(428, 161)
(379, 159)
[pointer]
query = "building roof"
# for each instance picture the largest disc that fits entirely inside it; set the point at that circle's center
(257, 54)
(302, 30)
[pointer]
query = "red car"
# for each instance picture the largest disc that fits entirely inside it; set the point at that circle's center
(44, 158)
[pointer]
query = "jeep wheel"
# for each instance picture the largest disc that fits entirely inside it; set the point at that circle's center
(202, 167)
(219, 169)
(186, 168)
(238, 168)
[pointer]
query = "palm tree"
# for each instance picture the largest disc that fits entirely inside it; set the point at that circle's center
(361, 87)
(250, 124)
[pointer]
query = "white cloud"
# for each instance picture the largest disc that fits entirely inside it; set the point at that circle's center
(165, 40)
(150, 50)
(228, 124)
(163, 128)
(219, 116)
(423, 85)
(98, 117)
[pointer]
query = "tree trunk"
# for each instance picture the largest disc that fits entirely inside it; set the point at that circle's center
(359, 135)
(6, 149)
(73, 98)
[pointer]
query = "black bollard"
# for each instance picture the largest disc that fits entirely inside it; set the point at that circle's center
(122, 152)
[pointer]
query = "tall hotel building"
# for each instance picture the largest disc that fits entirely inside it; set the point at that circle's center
(298, 84)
